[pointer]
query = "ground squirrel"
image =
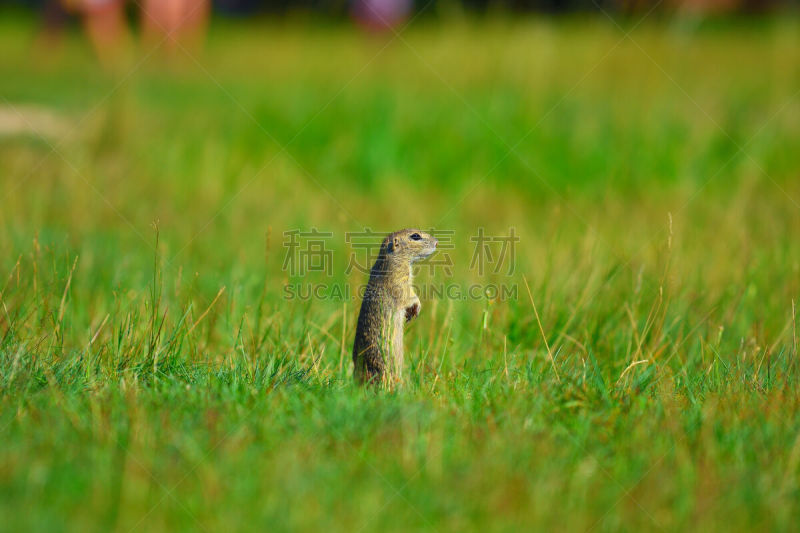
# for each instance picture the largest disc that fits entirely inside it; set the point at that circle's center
(389, 302)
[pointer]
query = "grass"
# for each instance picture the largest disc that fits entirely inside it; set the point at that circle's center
(153, 376)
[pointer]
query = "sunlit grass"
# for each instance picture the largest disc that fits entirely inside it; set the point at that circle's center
(153, 376)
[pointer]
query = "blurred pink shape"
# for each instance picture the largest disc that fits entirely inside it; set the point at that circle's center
(177, 20)
(381, 14)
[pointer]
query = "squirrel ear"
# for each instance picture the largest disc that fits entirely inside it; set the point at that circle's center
(394, 244)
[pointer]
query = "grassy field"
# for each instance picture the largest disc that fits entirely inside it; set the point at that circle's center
(154, 376)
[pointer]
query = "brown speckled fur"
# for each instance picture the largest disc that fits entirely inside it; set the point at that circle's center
(389, 302)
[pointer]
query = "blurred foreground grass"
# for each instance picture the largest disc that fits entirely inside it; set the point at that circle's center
(158, 380)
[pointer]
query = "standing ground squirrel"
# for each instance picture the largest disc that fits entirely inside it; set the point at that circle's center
(389, 302)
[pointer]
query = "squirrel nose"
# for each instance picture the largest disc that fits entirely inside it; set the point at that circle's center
(435, 242)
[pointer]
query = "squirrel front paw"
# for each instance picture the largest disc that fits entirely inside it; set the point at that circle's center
(412, 311)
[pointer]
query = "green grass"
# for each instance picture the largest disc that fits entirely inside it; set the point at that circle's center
(134, 395)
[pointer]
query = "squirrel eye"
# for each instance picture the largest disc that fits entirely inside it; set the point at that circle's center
(415, 237)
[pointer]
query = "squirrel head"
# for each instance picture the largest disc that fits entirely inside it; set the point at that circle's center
(408, 245)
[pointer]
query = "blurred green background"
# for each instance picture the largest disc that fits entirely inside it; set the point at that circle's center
(153, 375)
